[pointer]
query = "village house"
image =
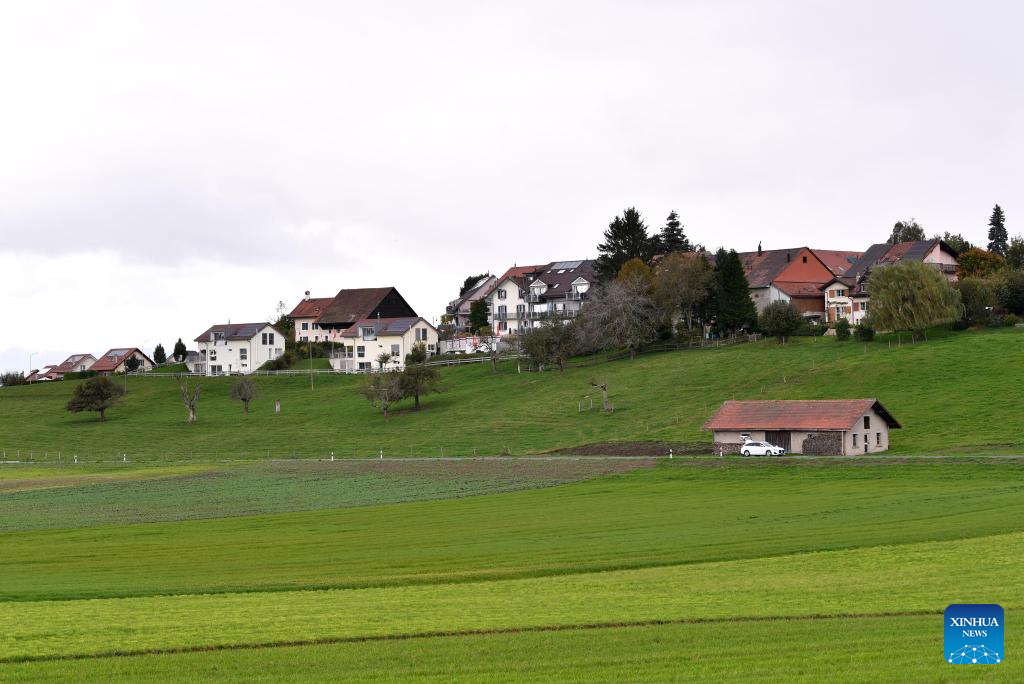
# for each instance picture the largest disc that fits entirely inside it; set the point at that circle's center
(507, 301)
(238, 348)
(364, 341)
(458, 310)
(793, 275)
(113, 361)
(76, 363)
(842, 427)
(846, 295)
(304, 318)
(327, 319)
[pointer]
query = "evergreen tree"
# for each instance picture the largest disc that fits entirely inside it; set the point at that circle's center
(958, 242)
(180, 352)
(672, 238)
(625, 238)
(997, 237)
(906, 231)
(159, 355)
(733, 308)
(1015, 252)
(479, 313)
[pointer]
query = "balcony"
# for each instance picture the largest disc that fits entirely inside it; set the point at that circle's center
(533, 298)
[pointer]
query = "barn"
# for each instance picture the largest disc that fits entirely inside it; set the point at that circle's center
(831, 427)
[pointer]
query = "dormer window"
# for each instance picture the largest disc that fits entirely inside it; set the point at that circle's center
(368, 334)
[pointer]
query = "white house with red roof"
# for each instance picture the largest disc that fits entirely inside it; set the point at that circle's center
(305, 316)
(367, 339)
(238, 348)
(113, 361)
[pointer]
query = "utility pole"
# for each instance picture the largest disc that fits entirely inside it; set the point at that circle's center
(30, 366)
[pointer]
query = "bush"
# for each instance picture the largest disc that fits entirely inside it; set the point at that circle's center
(842, 330)
(959, 326)
(780, 320)
(11, 378)
(1011, 320)
(1010, 291)
(864, 332)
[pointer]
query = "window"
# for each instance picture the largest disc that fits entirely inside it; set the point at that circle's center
(361, 351)
(394, 350)
(216, 369)
(421, 334)
(854, 439)
(365, 365)
(268, 338)
(368, 334)
(520, 309)
(213, 354)
(243, 354)
(863, 306)
(304, 338)
(805, 260)
(522, 293)
(502, 326)
(878, 438)
(501, 294)
(867, 422)
(305, 326)
(431, 349)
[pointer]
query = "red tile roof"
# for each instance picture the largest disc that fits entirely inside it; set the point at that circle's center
(838, 261)
(799, 289)
(71, 364)
(829, 414)
(114, 358)
(310, 308)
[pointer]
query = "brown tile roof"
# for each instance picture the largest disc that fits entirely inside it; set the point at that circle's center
(763, 268)
(310, 308)
(71, 364)
(828, 414)
(235, 331)
(114, 358)
(799, 289)
(838, 261)
(352, 305)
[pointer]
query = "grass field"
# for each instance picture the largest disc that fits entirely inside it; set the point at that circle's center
(942, 391)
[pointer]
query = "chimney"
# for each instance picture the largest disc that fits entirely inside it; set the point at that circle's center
(307, 295)
(788, 256)
(758, 248)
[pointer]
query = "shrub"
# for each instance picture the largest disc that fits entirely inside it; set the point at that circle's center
(842, 330)
(10, 378)
(1011, 320)
(864, 332)
(80, 375)
(780, 320)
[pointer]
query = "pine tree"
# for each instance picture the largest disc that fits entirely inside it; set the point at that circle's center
(733, 308)
(180, 352)
(997, 237)
(479, 315)
(159, 355)
(672, 238)
(625, 238)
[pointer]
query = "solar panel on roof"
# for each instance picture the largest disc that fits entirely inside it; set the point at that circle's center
(565, 264)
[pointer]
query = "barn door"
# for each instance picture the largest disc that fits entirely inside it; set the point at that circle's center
(779, 438)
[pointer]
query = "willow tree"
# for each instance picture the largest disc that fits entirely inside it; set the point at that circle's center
(912, 296)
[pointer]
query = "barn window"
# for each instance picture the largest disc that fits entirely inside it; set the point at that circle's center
(878, 438)
(854, 439)
(867, 422)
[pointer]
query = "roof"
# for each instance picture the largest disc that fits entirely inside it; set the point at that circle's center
(235, 331)
(837, 261)
(885, 253)
(310, 308)
(352, 305)
(828, 414)
(72, 363)
(384, 326)
(799, 289)
(761, 269)
(115, 357)
(559, 275)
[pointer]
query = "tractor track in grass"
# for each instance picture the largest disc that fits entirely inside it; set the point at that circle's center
(210, 648)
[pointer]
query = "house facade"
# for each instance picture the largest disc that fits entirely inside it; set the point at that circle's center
(362, 343)
(305, 317)
(238, 348)
(847, 296)
(507, 301)
(843, 427)
(458, 310)
(113, 361)
(793, 275)
(559, 291)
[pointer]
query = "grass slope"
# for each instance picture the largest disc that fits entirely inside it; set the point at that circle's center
(670, 515)
(948, 393)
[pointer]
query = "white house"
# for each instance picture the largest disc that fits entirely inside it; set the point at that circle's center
(364, 342)
(508, 300)
(559, 290)
(114, 361)
(239, 348)
(458, 310)
(306, 315)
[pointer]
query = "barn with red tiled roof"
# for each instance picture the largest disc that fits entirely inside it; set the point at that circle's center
(837, 427)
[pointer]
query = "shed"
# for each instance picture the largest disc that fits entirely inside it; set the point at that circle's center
(837, 427)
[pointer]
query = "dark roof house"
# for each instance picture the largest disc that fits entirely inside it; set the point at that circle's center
(233, 331)
(349, 306)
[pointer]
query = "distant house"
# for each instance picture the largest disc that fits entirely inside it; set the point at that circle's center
(113, 361)
(793, 275)
(458, 310)
(559, 290)
(44, 374)
(194, 362)
(846, 295)
(238, 348)
(368, 338)
(841, 427)
(507, 300)
(76, 363)
(305, 316)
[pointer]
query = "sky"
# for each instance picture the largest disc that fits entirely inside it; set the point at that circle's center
(168, 166)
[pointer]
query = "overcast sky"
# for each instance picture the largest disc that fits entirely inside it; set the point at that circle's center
(167, 166)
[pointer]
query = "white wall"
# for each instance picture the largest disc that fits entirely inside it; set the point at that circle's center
(228, 354)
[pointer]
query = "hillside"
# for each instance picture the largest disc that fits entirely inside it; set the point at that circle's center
(947, 393)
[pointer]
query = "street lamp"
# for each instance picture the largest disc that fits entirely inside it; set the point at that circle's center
(30, 366)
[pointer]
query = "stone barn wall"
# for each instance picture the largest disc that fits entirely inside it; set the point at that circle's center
(823, 444)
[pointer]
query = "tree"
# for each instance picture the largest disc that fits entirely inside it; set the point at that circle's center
(780, 319)
(682, 286)
(997, 231)
(978, 263)
(619, 315)
(244, 390)
(672, 239)
(95, 394)
(906, 231)
(1010, 291)
(382, 389)
(842, 330)
(1015, 252)
(635, 269)
(189, 397)
(131, 364)
(494, 353)
(958, 242)
(418, 378)
(180, 352)
(470, 281)
(733, 308)
(602, 385)
(383, 359)
(979, 299)
(625, 238)
(159, 355)
(552, 343)
(913, 296)
(479, 315)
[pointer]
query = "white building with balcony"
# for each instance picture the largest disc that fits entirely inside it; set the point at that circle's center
(363, 343)
(238, 348)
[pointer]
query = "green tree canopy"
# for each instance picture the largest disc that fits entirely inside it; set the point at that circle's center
(672, 238)
(479, 316)
(997, 232)
(417, 378)
(908, 230)
(780, 319)
(95, 394)
(733, 308)
(978, 263)
(159, 355)
(958, 242)
(180, 352)
(1015, 252)
(625, 238)
(244, 390)
(912, 296)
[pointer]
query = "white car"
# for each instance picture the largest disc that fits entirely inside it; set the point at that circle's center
(761, 449)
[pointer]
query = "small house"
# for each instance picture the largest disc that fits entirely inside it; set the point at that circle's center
(113, 361)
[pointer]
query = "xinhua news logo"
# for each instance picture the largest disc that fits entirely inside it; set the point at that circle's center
(974, 634)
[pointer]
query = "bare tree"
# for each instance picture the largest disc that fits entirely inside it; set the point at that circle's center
(244, 390)
(619, 315)
(494, 354)
(189, 396)
(682, 286)
(552, 343)
(383, 359)
(382, 389)
(603, 386)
